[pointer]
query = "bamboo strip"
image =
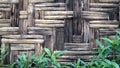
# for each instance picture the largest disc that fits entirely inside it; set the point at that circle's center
(93, 13)
(39, 28)
(77, 52)
(24, 12)
(5, 20)
(5, 9)
(9, 1)
(22, 47)
(103, 9)
(23, 36)
(49, 25)
(23, 16)
(58, 17)
(77, 44)
(103, 26)
(7, 29)
(4, 24)
(50, 5)
(58, 13)
(38, 1)
(104, 22)
(96, 17)
(109, 1)
(5, 5)
(50, 8)
(103, 5)
(6, 33)
(22, 41)
(40, 21)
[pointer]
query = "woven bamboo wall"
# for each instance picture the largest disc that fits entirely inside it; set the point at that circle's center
(72, 25)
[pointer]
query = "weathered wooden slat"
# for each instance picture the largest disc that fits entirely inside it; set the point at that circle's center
(5, 5)
(5, 9)
(109, 1)
(117, 29)
(4, 24)
(37, 21)
(67, 57)
(22, 41)
(76, 44)
(103, 9)
(95, 17)
(9, 1)
(103, 5)
(5, 20)
(23, 36)
(23, 16)
(39, 28)
(77, 52)
(7, 29)
(104, 22)
(85, 57)
(58, 17)
(50, 5)
(17, 47)
(103, 26)
(58, 13)
(39, 1)
(51, 8)
(93, 13)
(40, 31)
(49, 25)
(77, 49)
(23, 12)
(6, 33)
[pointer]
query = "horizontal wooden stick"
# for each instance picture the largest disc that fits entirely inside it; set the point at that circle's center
(77, 52)
(49, 25)
(9, 1)
(5, 9)
(40, 21)
(5, 5)
(103, 9)
(4, 24)
(103, 5)
(23, 12)
(51, 8)
(22, 47)
(23, 16)
(77, 44)
(58, 12)
(9, 29)
(23, 36)
(40, 32)
(104, 22)
(109, 1)
(22, 41)
(50, 5)
(5, 20)
(58, 17)
(6, 33)
(38, 1)
(93, 13)
(39, 28)
(103, 26)
(96, 17)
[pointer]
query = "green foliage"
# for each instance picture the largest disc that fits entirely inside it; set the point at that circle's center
(45, 59)
(110, 48)
(3, 54)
